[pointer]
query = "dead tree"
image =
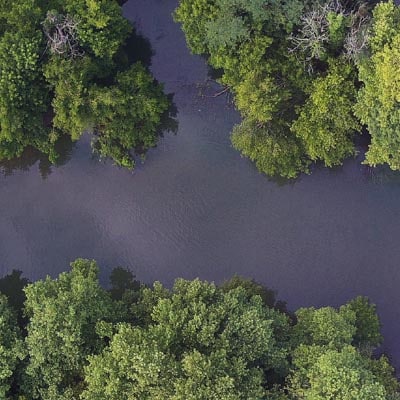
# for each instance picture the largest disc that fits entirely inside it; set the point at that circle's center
(62, 36)
(314, 31)
(356, 41)
(313, 38)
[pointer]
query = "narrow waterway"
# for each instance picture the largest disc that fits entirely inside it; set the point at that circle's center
(196, 208)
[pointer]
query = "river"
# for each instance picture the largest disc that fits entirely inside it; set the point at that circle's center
(195, 208)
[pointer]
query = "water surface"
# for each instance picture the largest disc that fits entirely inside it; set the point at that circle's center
(196, 208)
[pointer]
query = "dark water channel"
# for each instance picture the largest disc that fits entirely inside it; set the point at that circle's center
(196, 208)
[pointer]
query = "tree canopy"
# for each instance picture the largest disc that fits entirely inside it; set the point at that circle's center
(306, 76)
(62, 329)
(379, 97)
(204, 344)
(61, 73)
(195, 341)
(11, 346)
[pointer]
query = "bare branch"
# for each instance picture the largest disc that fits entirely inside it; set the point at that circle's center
(313, 37)
(61, 34)
(314, 31)
(357, 39)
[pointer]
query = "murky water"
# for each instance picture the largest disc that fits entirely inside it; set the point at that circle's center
(196, 208)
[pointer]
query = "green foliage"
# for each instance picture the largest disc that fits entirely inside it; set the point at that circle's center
(127, 114)
(253, 288)
(132, 367)
(102, 28)
(70, 80)
(326, 366)
(384, 374)
(22, 16)
(196, 341)
(385, 25)
(11, 346)
(54, 79)
(271, 147)
(123, 282)
(282, 59)
(12, 286)
(377, 105)
(215, 26)
(128, 291)
(194, 15)
(367, 323)
(326, 122)
(61, 331)
(123, 116)
(337, 24)
(325, 327)
(259, 97)
(340, 375)
(22, 101)
(203, 343)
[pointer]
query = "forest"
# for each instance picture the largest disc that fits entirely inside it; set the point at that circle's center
(307, 76)
(65, 69)
(69, 338)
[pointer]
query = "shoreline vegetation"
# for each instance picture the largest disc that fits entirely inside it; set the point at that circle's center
(66, 68)
(69, 338)
(307, 77)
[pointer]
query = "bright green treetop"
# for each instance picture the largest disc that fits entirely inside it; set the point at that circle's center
(201, 344)
(326, 123)
(62, 315)
(378, 100)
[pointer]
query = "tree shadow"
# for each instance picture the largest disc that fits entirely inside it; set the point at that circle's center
(123, 283)
(136, 48)
(281, 181)
(214, 73)
(253, 288)
(169, 122)
(63, 148)
(381, 174)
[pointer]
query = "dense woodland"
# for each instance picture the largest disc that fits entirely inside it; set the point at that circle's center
(307, 76)
(65, 68)
(68, 338)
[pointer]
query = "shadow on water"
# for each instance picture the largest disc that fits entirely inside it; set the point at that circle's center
(124, 285)
(252, 287)
(169, 121)
(380, 174)
(280, 181)
(214, 73)
(136, 48)
(30, 156)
